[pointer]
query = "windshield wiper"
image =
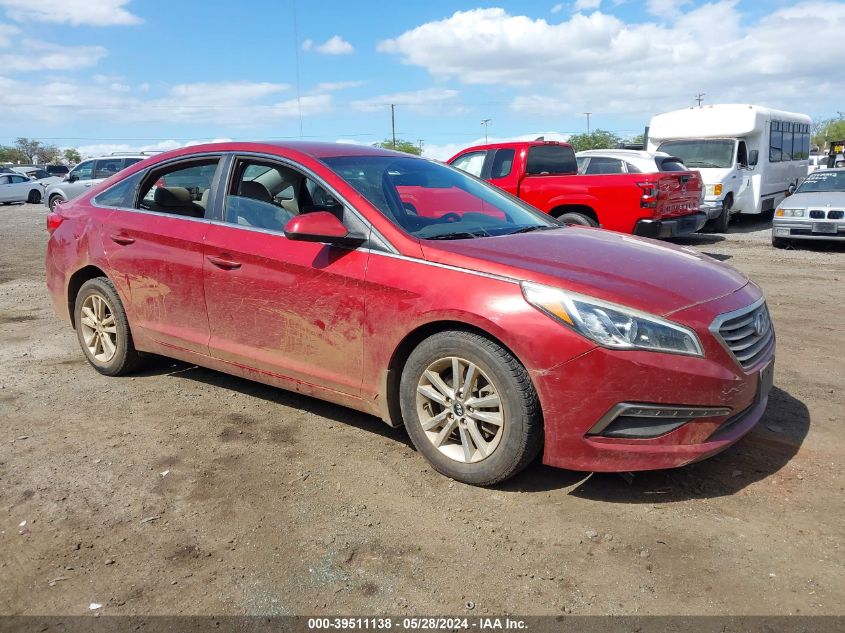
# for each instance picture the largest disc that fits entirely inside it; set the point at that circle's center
(457, 235)
(536, 227)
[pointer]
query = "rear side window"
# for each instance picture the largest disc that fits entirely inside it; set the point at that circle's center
(672, 164)
(551, 159)
(108, 167)
(181, 189)
(471, 163)
(602, 165)
(122, 194)
(502, 163)
(131, 161)
(632, 169)
(5, 180)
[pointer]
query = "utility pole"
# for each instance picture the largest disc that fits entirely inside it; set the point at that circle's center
(588, 122)
(485, 123)
(699, 96)
(393, 123)
(420, 145)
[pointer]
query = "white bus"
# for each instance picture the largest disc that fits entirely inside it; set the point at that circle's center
(748, 155)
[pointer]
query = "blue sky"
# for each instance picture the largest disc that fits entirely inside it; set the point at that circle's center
(126, 74)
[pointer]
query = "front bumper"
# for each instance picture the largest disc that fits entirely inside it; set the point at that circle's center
(808, 229)
(671, 227)
(713, 208)
(578, 395)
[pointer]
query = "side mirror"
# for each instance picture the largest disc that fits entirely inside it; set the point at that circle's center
(321, 226)
(790, 190)
(753, 157)
(72, 178)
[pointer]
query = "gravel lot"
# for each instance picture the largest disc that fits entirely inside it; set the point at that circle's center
(181, 490)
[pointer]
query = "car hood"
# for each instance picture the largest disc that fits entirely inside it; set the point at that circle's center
(641, 273)
(822, 199)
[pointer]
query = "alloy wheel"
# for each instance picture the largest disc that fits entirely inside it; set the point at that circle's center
(99, 330)
(460, 410)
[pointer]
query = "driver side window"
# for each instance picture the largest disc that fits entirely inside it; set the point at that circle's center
(83, 171)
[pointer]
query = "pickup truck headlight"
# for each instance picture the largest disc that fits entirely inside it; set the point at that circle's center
(612, 325)
(789, 213)
(713, 190)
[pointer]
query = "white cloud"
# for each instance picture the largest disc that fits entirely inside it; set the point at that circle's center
(335, 45)
(103, 149)
(560, 6)
(599, 62)
(665, 8)
(236, 104)
(29, 55)
(332, 86)
(7, 32)
(447, 150)
(74, 12)
(586, 5)
(420, 101)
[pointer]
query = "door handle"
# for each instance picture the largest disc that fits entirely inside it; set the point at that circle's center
(123, 240)
(225, 264)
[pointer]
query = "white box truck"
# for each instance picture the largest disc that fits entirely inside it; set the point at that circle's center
(748, 155)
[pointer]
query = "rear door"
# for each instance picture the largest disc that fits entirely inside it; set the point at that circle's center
(288, 308)
(154, 247)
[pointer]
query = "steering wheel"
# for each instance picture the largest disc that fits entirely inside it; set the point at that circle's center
(450, 217)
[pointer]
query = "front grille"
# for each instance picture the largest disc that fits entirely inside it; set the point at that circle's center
(747, 333)
(835, 215)
(817, 214)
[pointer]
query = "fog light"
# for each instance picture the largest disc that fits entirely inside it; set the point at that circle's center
(642, 421)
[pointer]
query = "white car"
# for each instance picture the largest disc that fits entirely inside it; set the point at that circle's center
(626, 161)
(38, 174)
(19, 188)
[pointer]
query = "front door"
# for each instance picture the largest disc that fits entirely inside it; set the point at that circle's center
(292, 309)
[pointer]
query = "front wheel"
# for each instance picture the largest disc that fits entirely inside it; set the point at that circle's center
(34, 197)
(470, 408)
(54, 202)
(103, 329)
(720, 224)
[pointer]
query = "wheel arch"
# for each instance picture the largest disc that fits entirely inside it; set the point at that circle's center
(76, 281)
(391, 413)
(583, 209)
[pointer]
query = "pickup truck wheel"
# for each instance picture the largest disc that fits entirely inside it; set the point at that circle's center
(470, 408)
(577, 218)
(34, 197)
(54, 202)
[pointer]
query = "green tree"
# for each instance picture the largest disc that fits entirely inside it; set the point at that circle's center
(33, 150)
(71, 156)
(600, 139)
(639, 139)
(827, 130)
(11, 155)
(401, 146)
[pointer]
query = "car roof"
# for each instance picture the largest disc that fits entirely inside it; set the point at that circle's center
(623, 153)
(313, 149)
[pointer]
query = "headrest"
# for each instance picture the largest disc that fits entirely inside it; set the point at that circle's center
(172, 196)
(255, 190)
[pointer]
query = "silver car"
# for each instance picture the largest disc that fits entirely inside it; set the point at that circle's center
(815, 211)
(89, 173)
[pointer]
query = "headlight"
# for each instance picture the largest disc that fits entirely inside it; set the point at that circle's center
(612, 325)
(713, 190)
(789, 213)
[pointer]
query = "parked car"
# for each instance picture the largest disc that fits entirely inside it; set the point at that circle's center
(544, 174)
(16, 187)
(626, 161)
(815, 211)
(88, 173)
(57, 170)
(491, 332)
(816, 161)
(38, 175)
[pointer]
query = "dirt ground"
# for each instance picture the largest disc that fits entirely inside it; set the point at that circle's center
(185, 491)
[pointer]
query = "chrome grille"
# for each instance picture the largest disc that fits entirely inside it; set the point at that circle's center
(746, 333)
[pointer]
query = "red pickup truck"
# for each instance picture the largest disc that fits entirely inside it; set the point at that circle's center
(545, 175)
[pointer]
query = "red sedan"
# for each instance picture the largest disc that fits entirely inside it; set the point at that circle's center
(488, 329)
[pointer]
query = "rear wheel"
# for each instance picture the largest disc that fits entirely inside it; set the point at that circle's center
(103, 330)
(34, 197)
(470, 408)
(577, 218)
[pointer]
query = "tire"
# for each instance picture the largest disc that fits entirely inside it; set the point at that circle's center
(720, 224)
(120, 358)
(34, 197)
(779, 242)
(510, 433)
(54, 202)
(577, 218)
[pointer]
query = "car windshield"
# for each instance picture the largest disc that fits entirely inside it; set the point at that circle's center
(823, 181)
(701, 153)
(433, 201)
(38, 173)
